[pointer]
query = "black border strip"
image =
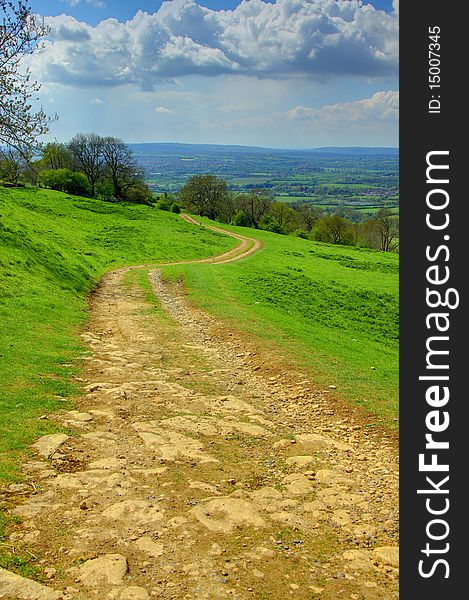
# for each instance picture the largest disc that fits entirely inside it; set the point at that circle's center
(422, 411)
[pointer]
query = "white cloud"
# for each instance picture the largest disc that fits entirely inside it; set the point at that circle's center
(163, 110)
(291, 38)
(382, 106)
(260, 113)
(97, 101)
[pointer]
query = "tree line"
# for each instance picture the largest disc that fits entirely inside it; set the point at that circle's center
(89, 165)
(208, 195)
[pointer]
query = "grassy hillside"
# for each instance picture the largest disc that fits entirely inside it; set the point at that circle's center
(333, 308)
(53, 250)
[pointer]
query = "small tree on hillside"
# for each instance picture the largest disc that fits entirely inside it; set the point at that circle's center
(228, 208)
(270, 223)
(388, 229)
(10, 165)
(20, 33)
(205, 195)
(56, 156)
(308, 216)
(64, 180)
(120, 166)
(255, 205)
(241, 219)
(87, 148)
(334, 229)
(285, 216)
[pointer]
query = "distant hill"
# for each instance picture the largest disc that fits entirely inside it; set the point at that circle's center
(356, 150)
(176, 148)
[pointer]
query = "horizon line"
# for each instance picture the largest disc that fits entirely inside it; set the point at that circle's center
(265, 147)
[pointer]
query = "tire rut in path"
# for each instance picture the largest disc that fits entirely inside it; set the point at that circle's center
(198, 473)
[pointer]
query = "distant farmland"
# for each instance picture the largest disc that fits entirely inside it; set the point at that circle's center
(357, 178)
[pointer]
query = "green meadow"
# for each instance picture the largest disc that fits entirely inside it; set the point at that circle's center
(54, 249)
(332, 309)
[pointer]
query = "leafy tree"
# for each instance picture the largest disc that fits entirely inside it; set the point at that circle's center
(308, 215)
(368, 234)
(255, 204)
(270, 223)
(285, 216)
(57, 156)
(205, 195)
(104, 190)
(120, 166)
(164, 204)
(228, 208)
(10, 165)
(175, 208)
(64, 180)
(388, 230)
(20, 33)
(87, 148)
(139, 193)
(241, 219)
(334, 229)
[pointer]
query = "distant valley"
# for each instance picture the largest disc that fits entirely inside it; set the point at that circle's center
(364, 179)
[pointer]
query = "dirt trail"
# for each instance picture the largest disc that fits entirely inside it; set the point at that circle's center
(201, 467)
(245, 248)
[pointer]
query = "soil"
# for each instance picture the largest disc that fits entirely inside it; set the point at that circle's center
(199, 464)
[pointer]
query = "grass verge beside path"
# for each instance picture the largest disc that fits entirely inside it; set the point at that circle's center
(332, 309)
(54, 248)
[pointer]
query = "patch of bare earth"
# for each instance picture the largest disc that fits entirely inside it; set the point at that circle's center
(203, 468)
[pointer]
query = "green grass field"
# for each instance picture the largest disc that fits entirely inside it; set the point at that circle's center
(330, 309)
(333, 309)
(53, 250)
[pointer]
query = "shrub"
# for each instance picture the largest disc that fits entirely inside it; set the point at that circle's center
(105, 190)
(175, 208)
(164, 204)
(270, 223)
(65, 180)
(140, 194)
(334, 229)
(242, 219)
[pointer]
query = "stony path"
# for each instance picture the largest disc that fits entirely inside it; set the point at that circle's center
(201, 467)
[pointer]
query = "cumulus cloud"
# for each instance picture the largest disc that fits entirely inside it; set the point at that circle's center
(68, 29)
(382, 106)
(291, 38)
(162, 110)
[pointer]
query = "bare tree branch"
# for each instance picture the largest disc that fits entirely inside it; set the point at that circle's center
(20, 34)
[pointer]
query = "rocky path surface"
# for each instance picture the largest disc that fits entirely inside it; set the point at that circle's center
(199, 466)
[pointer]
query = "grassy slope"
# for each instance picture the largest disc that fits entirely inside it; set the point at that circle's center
(333, 308)
(53, 250)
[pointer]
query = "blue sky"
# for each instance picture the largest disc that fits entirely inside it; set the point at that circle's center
(285, 73)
